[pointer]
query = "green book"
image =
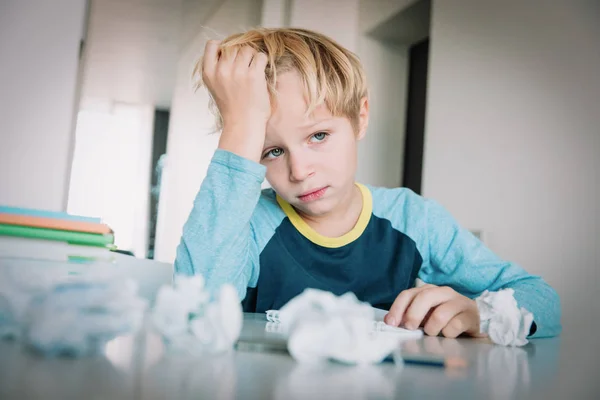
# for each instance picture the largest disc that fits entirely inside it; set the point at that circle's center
(88, 239)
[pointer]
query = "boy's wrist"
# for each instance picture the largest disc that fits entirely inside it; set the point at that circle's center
(228, 162)
(244, 138)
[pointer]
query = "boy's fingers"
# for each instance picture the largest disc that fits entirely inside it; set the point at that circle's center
(423, 302)
(394, 316)
(244, 58)
(457, 325)
(210, 58)
(228, 56)
(443, 314)
(260, 61)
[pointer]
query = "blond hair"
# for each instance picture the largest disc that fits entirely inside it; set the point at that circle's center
(331, 73)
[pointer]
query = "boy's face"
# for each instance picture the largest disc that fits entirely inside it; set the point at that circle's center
(310, 160)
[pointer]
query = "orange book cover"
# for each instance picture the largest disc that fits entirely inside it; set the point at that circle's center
(54, 223)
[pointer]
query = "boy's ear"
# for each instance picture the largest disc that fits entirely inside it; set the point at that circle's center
(363, 118)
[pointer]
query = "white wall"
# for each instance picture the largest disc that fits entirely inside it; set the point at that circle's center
(513, 134)
(132, 50)
(191, 142)
(111, 170)
(131, 53)
(381, 152)
(335, 18)
(275, 13)
(39, 47)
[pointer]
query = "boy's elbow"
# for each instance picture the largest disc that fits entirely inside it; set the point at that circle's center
(548, 324)
(183, 261)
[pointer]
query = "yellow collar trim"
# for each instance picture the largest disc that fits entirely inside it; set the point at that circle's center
(331, 242)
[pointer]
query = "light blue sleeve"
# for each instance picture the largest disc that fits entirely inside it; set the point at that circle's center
(453, 256)
(461, 260)
(218, 239)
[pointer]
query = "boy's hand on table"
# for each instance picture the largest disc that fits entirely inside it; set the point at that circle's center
(438, 309)
(236, 80)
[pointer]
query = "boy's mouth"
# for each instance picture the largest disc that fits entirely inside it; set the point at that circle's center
(313, 194)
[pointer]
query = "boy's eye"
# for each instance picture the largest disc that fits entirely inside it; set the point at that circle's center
(318, 137)
(273, 153)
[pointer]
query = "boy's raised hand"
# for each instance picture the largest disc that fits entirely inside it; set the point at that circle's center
(439, 309)
(236, 80)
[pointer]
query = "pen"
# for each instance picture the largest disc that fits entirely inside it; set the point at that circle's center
(430, 360)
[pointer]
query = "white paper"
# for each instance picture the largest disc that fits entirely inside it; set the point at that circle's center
(321, 327)
(190, 320)
(501, 318)
(78, 318)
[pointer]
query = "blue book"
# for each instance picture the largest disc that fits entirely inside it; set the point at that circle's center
(47, 214)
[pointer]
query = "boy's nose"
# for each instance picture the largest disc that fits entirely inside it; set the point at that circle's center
(300, 168)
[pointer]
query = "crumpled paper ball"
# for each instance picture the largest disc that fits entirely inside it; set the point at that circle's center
(17, 287)
(59, 315)
(322, 327)
(78, 318)
(187, 317)
(501, 318)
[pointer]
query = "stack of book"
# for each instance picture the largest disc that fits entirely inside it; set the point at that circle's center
(54, 236)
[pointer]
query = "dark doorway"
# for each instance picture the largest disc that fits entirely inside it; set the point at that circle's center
(159, 148)
(415, 115)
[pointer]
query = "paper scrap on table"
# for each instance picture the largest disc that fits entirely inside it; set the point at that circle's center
(58, 315)
(79, 318)
(501, 318)
(189, 319)
(321, 326)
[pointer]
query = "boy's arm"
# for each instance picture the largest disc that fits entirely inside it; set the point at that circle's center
(217, 239)
(459, 260)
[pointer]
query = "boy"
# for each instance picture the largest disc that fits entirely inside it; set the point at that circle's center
(292, 106)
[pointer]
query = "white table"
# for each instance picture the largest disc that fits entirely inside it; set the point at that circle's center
(140, 368)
